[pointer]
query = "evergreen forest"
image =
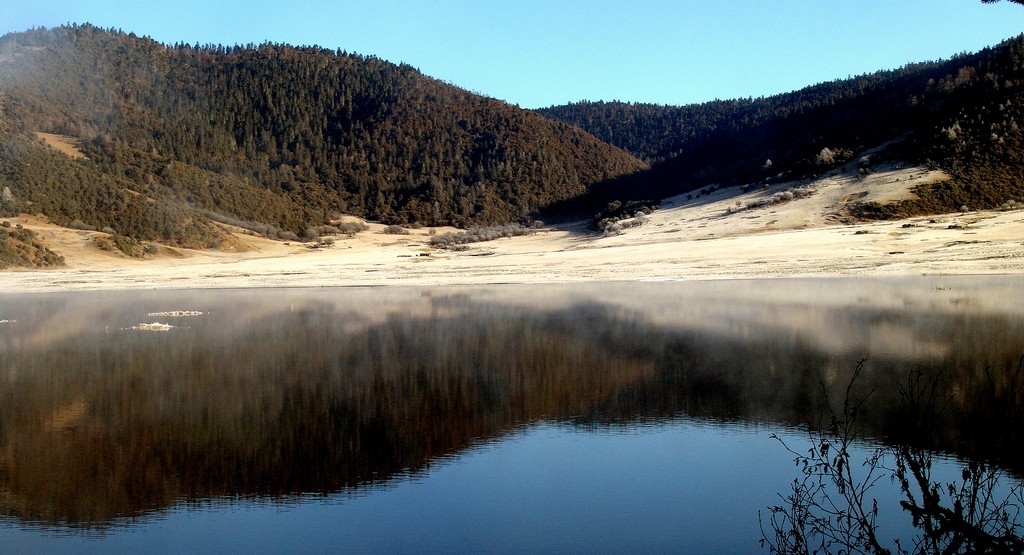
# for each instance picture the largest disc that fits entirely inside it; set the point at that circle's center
(283, 140)
(284, 137)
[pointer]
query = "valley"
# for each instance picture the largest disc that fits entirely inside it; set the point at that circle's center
(723, 234)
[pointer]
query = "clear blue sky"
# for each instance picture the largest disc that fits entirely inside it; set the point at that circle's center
(538, 53)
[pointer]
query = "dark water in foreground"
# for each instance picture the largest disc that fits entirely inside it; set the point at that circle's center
(608, 418)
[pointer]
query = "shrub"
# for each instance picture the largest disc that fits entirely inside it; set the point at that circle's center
(395, 230)
(127, 245)
(783, 196)
(479, 235)
(20, 247)
(259, 228)
(617, 212)
(351, 228)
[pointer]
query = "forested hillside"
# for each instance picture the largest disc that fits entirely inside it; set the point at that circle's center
(281, 136)
(283, 139)
(962, 115)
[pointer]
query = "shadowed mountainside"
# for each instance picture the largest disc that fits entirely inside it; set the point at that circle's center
(962, 115)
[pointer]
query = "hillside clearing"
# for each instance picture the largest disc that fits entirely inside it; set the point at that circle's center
(65, 144)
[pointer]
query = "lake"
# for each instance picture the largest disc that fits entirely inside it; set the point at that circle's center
(617, 417)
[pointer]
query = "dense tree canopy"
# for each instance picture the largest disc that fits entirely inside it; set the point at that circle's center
(281, 138)
(288, 136)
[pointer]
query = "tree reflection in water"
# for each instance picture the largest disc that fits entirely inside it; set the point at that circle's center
(833, 507)
(273, 394)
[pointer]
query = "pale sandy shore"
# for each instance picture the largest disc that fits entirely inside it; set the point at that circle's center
(721, 235)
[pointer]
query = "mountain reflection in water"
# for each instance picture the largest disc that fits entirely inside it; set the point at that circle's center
(272, 393)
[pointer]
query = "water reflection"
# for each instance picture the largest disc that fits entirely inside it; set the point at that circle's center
(268, 394)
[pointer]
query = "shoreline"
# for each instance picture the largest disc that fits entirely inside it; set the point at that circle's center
(550, 257)
(719, 236)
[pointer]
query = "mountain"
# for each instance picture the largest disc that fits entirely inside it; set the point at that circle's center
(962, 115)
(158, 142)
(273, 137)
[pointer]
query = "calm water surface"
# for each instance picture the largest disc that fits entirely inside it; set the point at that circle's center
(587, 418)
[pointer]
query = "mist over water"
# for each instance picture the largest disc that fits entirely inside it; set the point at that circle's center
(608, 417)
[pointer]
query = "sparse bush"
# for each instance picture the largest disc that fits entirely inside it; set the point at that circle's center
(614, 228)
(395, 230)
(323, 243)
(317, 232)
(259, 228)
(611, 226)
(783, 196)
(825, 158)
(103, 243)
(637, 221)
(479, 235)
(126, 245)
(830, 157)
(351, 228)
(618, 212)
(19, 247)
(79, 224)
